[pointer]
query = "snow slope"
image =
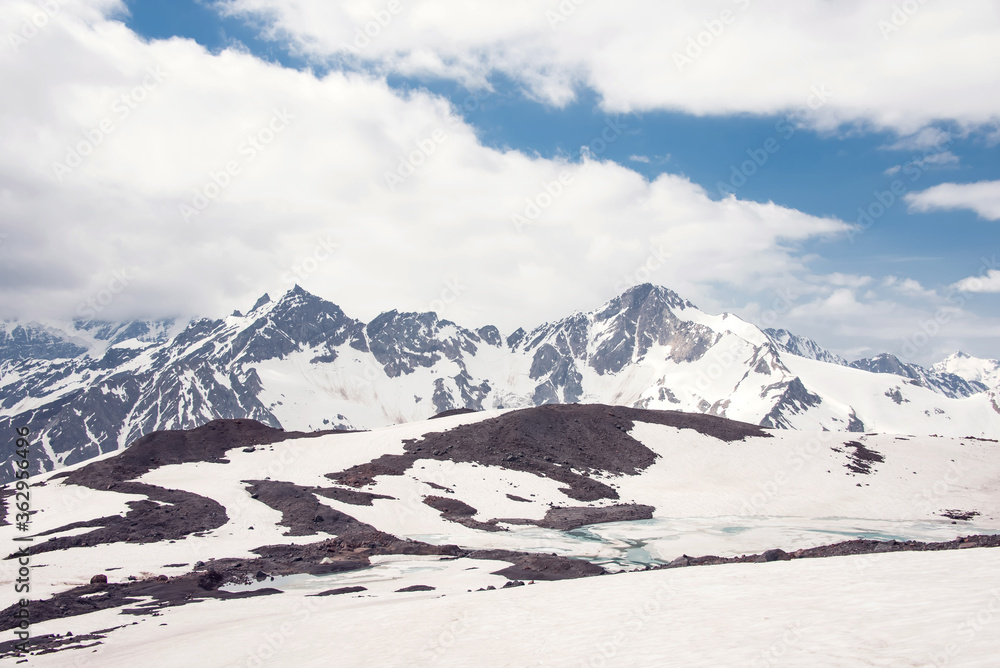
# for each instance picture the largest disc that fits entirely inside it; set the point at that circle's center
(906, 609)
(972, 369)
(710, 494)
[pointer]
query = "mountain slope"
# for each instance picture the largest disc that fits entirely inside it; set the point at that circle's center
(943, 382)
(972, 369)
(300, 362)
(803, 347)
(191, 538)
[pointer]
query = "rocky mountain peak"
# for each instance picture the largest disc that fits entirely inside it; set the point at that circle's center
(264, 299)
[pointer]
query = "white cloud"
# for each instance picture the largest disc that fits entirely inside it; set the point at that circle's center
(853, 323)
(982, 197)
(929, 161)
(913, 288)
(883, 68)
(908, 287)
(312, 204)
(926, 138)
(847, 280)
(988, 282)
(288, 174)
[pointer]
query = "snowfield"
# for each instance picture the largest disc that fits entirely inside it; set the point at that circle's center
(708, 494)
(906, 609)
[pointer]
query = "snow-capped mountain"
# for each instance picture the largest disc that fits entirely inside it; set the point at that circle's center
(34, 340)
(802, 346)
(942, 382)
(49, 341)
(972, 369)
(301, 363)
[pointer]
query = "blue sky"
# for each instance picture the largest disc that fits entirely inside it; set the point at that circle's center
(821, 173)
(531, 83)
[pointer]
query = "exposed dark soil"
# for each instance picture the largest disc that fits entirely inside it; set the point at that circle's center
(565, 519)
(434, 485)
(52, 643)
(453, 411)
(350, 496)
(565, 442)
(846, 548)
(341, 590)
(342, 556)
(460, 513)
(146, 521)
(415, 588)
(538, 566)
(79, 601)
(208, 443)
(336, 555)
(365, 474)
(304, 515)
(513, 497)
(862, 458)
(961, 515)
(185, 513)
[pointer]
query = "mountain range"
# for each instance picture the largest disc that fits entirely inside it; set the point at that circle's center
(301, 363)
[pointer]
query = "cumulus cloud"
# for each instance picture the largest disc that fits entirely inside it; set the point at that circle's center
(180, 182)
(989, 282)
(908, 287)
(929, 137)
(883, 66)
(982, 197)
(184, 182)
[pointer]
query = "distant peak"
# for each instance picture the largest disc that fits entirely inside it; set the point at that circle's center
(298, 292)
(644, 291)
(264, 299)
